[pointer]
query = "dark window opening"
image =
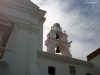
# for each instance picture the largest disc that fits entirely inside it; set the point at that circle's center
(51, 70)
(57, 50)
(88, 74)
(57, 36)
(72, 70)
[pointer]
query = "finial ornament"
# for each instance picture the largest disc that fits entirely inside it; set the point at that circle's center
(64, 31)
(70, 42)
(57, 41)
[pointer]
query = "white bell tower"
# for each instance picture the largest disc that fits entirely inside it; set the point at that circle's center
(57, 41)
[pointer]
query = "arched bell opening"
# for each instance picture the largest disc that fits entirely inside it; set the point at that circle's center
(57, 36)
(57, 50)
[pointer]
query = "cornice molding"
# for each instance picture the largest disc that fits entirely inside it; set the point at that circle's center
(29, 28)
(23, 24)
(26, 7)
(64, 58)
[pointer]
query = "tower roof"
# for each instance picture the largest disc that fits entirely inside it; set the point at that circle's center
(56, 25)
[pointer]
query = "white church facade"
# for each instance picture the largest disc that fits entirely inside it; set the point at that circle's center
(21, 42)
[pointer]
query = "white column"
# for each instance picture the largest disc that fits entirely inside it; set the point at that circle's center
(32, 66)
(23, 57)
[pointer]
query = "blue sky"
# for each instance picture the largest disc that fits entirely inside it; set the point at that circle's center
(80, 19)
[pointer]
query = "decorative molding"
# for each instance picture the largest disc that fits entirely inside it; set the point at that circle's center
(25, 24)
(17, 19)
(63, 58)
(26, 8)
(28, 27)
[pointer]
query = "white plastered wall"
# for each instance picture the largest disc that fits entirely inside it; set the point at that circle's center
(22, 45)
(62, 66)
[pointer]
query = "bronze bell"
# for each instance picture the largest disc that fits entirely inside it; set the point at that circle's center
(57, 50)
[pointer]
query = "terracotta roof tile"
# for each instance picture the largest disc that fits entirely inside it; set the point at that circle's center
(93, 54)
